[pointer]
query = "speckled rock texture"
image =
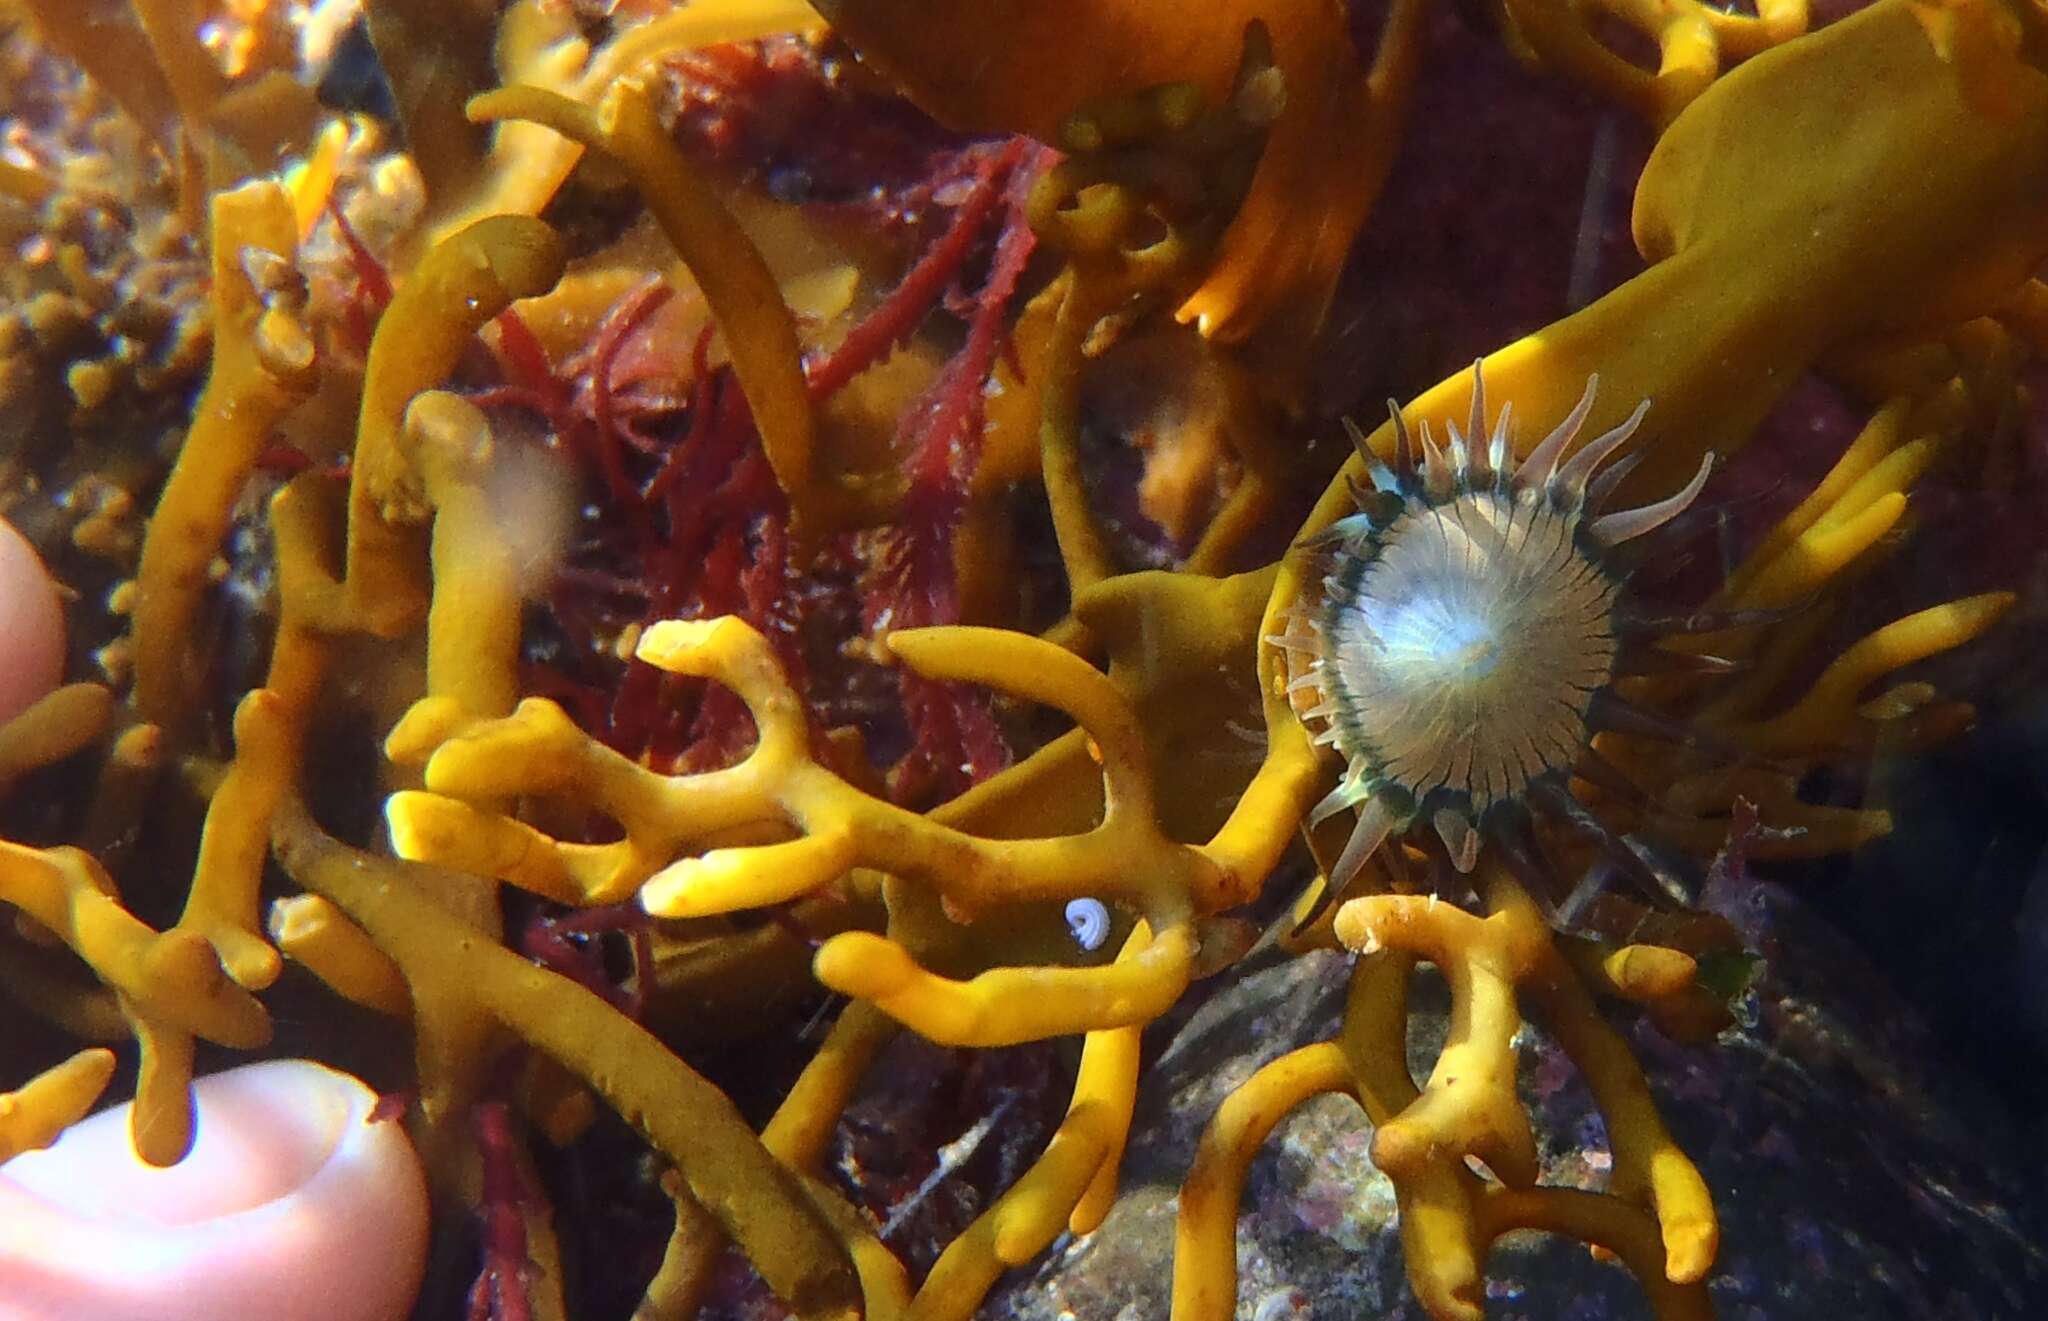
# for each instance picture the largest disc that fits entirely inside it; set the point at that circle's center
(1856, 1175)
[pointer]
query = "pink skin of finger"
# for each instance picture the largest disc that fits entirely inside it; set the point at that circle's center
(31, 626)
(295, 1204)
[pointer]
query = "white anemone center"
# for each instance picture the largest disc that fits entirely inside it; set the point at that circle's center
(1472, 645)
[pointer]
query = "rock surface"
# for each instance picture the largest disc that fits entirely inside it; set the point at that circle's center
(1855, 1175)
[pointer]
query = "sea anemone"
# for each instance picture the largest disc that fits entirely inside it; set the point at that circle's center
(1474, 613)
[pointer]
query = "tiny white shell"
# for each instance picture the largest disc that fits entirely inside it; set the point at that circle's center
(1088, 920)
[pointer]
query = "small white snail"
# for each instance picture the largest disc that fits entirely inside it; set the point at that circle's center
(1088, 920)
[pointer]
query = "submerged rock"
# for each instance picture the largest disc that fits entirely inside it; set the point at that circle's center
(1855, 1173)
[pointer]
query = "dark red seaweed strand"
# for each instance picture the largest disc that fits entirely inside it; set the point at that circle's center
(704, 386)
(778, 110)
(527, 364)
(569, 944)
(282, 460)
(955, 740)
(898, 315)
(371, 277)
(721, 543)
(942, 436)
(391, 1106)
(952, 446)
(585, 703)
(717, 495)
(372, 292)
(631, 921)
(625, 317)
(499, 1293)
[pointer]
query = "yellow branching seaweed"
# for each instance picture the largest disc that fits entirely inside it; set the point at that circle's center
(460, 284)
(1657, 1217)
(105, 39)
(1205, 1244)
(1125, 856)
(1837, 531)
(170, 983)
(537, 751)
(65, 721)
(759, 331)
(473, 620)
(33, 1116)
(1729, 231)
(270, 729)
(436, 57)
(798, 1135)
(1069, 1185)
(540, 46)
(270, 726)
(489, 989)
(1692, 39)
(1511, 948)
(221, 903)
(1330, 127)
(262, 366)
(1103, 209)
(1447, 1214)
(312, 931)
